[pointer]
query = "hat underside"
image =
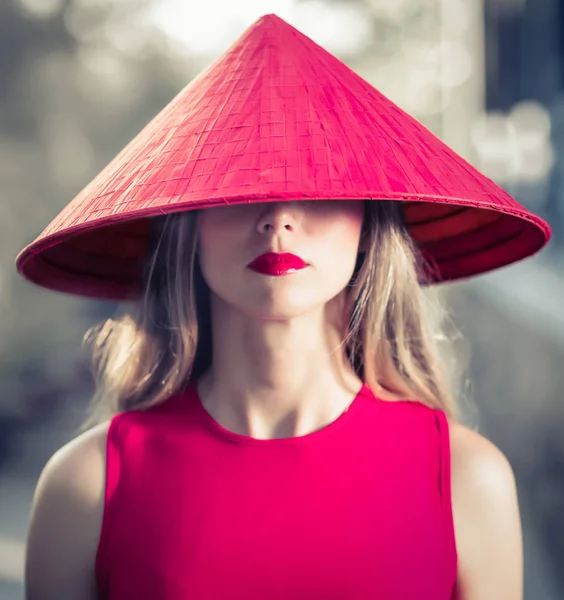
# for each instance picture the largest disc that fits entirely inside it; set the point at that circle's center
(455, 242)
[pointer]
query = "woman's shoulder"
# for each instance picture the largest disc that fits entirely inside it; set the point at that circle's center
(481, 474)
(486, 515)
(475, 458)
(79, 465)
(66, 519)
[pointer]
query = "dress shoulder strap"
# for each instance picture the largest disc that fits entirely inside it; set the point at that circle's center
(445, 473)
(445, 459)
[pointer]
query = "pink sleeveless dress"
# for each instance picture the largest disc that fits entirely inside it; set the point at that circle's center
(360, 509)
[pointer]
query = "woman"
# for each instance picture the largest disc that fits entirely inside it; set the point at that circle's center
(272, 417)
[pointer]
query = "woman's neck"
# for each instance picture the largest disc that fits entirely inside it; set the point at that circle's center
(277, 378)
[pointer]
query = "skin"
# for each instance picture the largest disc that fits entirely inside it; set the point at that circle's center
(290, 328)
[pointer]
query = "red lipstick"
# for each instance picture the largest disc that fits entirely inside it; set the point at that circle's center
(277, 264)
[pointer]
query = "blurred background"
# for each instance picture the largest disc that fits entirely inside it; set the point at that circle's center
(80, 78)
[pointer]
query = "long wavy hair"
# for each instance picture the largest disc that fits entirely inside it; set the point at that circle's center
(396, 330)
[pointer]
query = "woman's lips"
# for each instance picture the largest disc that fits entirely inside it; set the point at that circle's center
(277, 264)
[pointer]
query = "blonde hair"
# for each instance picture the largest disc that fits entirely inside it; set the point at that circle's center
(158, 343)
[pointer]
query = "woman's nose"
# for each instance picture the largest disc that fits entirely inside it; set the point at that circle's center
(278, 217)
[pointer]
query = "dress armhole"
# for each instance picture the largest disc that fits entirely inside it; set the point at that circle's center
(111, 478)
(444, 461)
(445, 475)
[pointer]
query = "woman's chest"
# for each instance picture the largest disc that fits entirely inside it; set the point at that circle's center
(340, 536)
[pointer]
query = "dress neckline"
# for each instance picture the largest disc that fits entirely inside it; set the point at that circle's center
(319, 434)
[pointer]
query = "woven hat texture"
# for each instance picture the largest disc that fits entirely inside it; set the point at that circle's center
(277, 118)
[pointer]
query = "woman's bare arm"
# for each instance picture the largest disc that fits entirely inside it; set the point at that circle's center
(486, 519)
(66, 517)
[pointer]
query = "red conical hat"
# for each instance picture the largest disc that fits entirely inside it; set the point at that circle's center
(279, 118)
